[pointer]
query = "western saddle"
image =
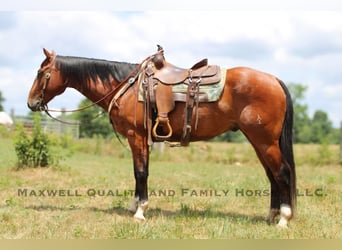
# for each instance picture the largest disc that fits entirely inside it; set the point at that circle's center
(159, 77)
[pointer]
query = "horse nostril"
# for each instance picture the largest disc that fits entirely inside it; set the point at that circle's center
(29, 106)
(33, 105)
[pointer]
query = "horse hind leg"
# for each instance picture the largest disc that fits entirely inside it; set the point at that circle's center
(278, 207)
(283, 178)
(275, 201)
(279, 174)
(275, 196)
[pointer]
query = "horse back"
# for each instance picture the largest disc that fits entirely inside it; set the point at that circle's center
(253, 84)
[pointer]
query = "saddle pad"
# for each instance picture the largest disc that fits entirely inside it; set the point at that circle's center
(213, 91)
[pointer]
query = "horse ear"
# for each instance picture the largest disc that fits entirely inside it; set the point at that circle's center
(46, 52)
(49, 55)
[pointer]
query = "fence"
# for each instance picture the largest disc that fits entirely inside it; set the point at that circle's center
(52, 126)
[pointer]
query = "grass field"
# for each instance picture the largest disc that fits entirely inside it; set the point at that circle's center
(208, 190)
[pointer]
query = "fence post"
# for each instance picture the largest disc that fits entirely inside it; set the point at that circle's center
(61, 124)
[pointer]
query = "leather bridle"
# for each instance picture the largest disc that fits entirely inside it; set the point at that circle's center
(47, 77)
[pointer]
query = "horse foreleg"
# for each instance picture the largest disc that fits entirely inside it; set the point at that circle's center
(141, 180)
(140, 155)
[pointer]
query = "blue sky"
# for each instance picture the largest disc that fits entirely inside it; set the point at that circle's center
(295, 44)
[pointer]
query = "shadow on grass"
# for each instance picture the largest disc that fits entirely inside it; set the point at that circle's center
(52, 208)
(114, 210)
(201, 214)
(183, 213)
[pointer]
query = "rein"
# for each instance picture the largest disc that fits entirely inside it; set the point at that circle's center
(45, 109)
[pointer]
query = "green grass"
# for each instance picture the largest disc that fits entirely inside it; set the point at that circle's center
(180, 204)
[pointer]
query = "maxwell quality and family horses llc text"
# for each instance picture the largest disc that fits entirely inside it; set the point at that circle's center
(92, 192)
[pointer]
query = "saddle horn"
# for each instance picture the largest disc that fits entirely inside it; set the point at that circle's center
(159, 47)
(159, 59)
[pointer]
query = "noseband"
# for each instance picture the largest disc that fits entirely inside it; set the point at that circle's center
(42, 93)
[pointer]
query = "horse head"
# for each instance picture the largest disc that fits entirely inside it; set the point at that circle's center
(47, 84)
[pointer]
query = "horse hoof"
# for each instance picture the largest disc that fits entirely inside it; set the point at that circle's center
(139, 218)
(139, 214)
(285, 216)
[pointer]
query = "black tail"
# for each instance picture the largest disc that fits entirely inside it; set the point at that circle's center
(286, 146)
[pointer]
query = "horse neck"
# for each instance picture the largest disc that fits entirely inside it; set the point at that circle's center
(94, 78)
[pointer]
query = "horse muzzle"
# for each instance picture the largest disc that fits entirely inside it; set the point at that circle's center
(34, 105)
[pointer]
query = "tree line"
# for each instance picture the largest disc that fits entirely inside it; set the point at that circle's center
(316, 129)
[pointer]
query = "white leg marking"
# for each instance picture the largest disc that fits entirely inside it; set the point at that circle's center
(133, 205)
(139, 215)
(285, 215)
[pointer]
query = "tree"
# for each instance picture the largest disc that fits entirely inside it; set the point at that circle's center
(2, 99)
(302, 128)
(92, 121)
(321, 127)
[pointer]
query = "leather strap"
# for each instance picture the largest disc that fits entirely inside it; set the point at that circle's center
(150, 102)
(192, 98)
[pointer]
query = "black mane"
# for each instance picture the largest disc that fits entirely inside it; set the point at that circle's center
(79, 71)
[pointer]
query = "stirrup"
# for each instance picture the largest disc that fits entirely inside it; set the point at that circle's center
(161, 137)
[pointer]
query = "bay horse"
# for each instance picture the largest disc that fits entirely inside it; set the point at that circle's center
(254, 102)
